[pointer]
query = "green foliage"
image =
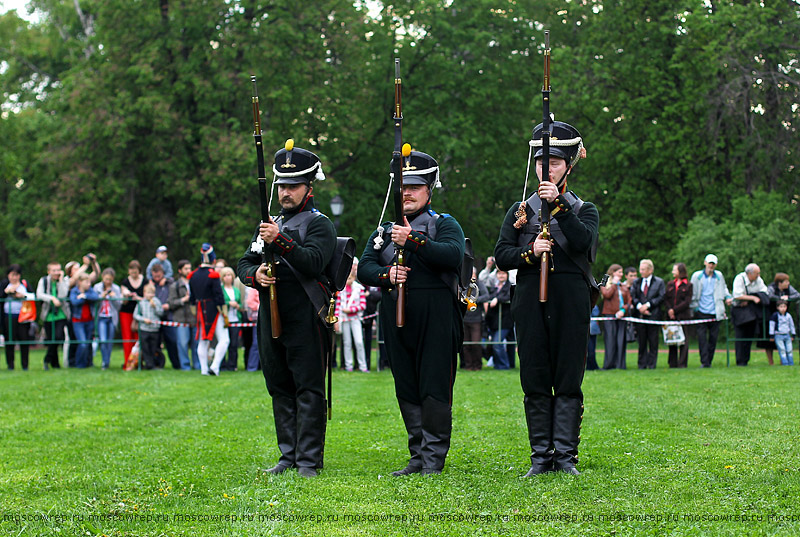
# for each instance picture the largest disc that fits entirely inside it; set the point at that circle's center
(130, 122)
(762, 228)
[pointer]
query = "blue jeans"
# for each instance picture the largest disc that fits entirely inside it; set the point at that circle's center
(499, 349)
(185, 339)
(784, 344)
(253, 360)
(105, 330)
(169, 335)
(83, 333)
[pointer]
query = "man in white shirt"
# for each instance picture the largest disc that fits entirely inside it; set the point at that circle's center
(749, 296)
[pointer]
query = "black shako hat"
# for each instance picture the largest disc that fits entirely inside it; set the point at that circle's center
(295, 166)
(565, 142)
(420, 169)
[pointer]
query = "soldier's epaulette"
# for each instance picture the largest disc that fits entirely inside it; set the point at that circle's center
(189, 277)
(319, 213)
(213, 274)
(284, 242)
(560, 206)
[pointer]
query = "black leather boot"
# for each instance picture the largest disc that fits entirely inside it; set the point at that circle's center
(284, 409)
(412, 418)
(437, 425)
(567, 416)
(312, 419)
(539, 416)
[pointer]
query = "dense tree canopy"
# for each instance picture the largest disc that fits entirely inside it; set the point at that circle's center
(126, 125)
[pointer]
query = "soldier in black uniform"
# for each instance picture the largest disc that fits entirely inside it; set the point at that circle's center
(302, 241)
(422, 354)
(552, 336)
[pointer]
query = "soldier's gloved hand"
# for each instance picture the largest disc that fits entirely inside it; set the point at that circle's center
(400, 233)
(398, 274)
(541, 245)
(261, 276)
(268, 231)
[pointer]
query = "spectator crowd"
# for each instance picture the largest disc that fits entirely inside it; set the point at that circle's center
(82, 308)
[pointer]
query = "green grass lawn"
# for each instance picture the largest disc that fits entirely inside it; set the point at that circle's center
(664, 452)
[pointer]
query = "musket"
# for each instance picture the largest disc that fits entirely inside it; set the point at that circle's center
(397, 186)
(544, 212)
(274, 314)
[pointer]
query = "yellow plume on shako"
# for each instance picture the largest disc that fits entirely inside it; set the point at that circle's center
(406, 150)
(289, 145)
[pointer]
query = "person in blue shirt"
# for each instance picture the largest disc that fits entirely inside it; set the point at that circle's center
(710, 295)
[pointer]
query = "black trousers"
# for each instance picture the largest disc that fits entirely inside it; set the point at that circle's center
(649, 335)
(247, 341)
(73, 347)
(54, 331)
(745, 331)
(707, 334)
(293, 363)
(678, 355)
(553, 336)
(16, 332)
(148, 347)
(423, 354)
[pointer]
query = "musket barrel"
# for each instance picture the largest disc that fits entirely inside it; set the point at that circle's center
(275, 318)
(397, 170)
(544, 213)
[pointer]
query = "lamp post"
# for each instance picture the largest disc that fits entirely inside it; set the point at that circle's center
(337, 208)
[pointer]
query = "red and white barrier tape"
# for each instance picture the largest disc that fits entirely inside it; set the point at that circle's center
(176, 323)
(648, 321)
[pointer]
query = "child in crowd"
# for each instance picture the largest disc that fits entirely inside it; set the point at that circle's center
(160, 259)
(782, 331)
(82, 298)
(108, 312)
(148, 312)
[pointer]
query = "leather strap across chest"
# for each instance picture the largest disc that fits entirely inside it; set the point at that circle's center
(317, 292)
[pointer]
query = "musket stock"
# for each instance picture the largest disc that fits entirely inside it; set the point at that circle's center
(269, 260)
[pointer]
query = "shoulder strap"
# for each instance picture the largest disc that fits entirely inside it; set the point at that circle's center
(299, 223)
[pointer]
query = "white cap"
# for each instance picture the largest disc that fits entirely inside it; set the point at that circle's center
(711, 258)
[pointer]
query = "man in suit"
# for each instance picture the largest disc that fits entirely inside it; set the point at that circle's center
(648, 295)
